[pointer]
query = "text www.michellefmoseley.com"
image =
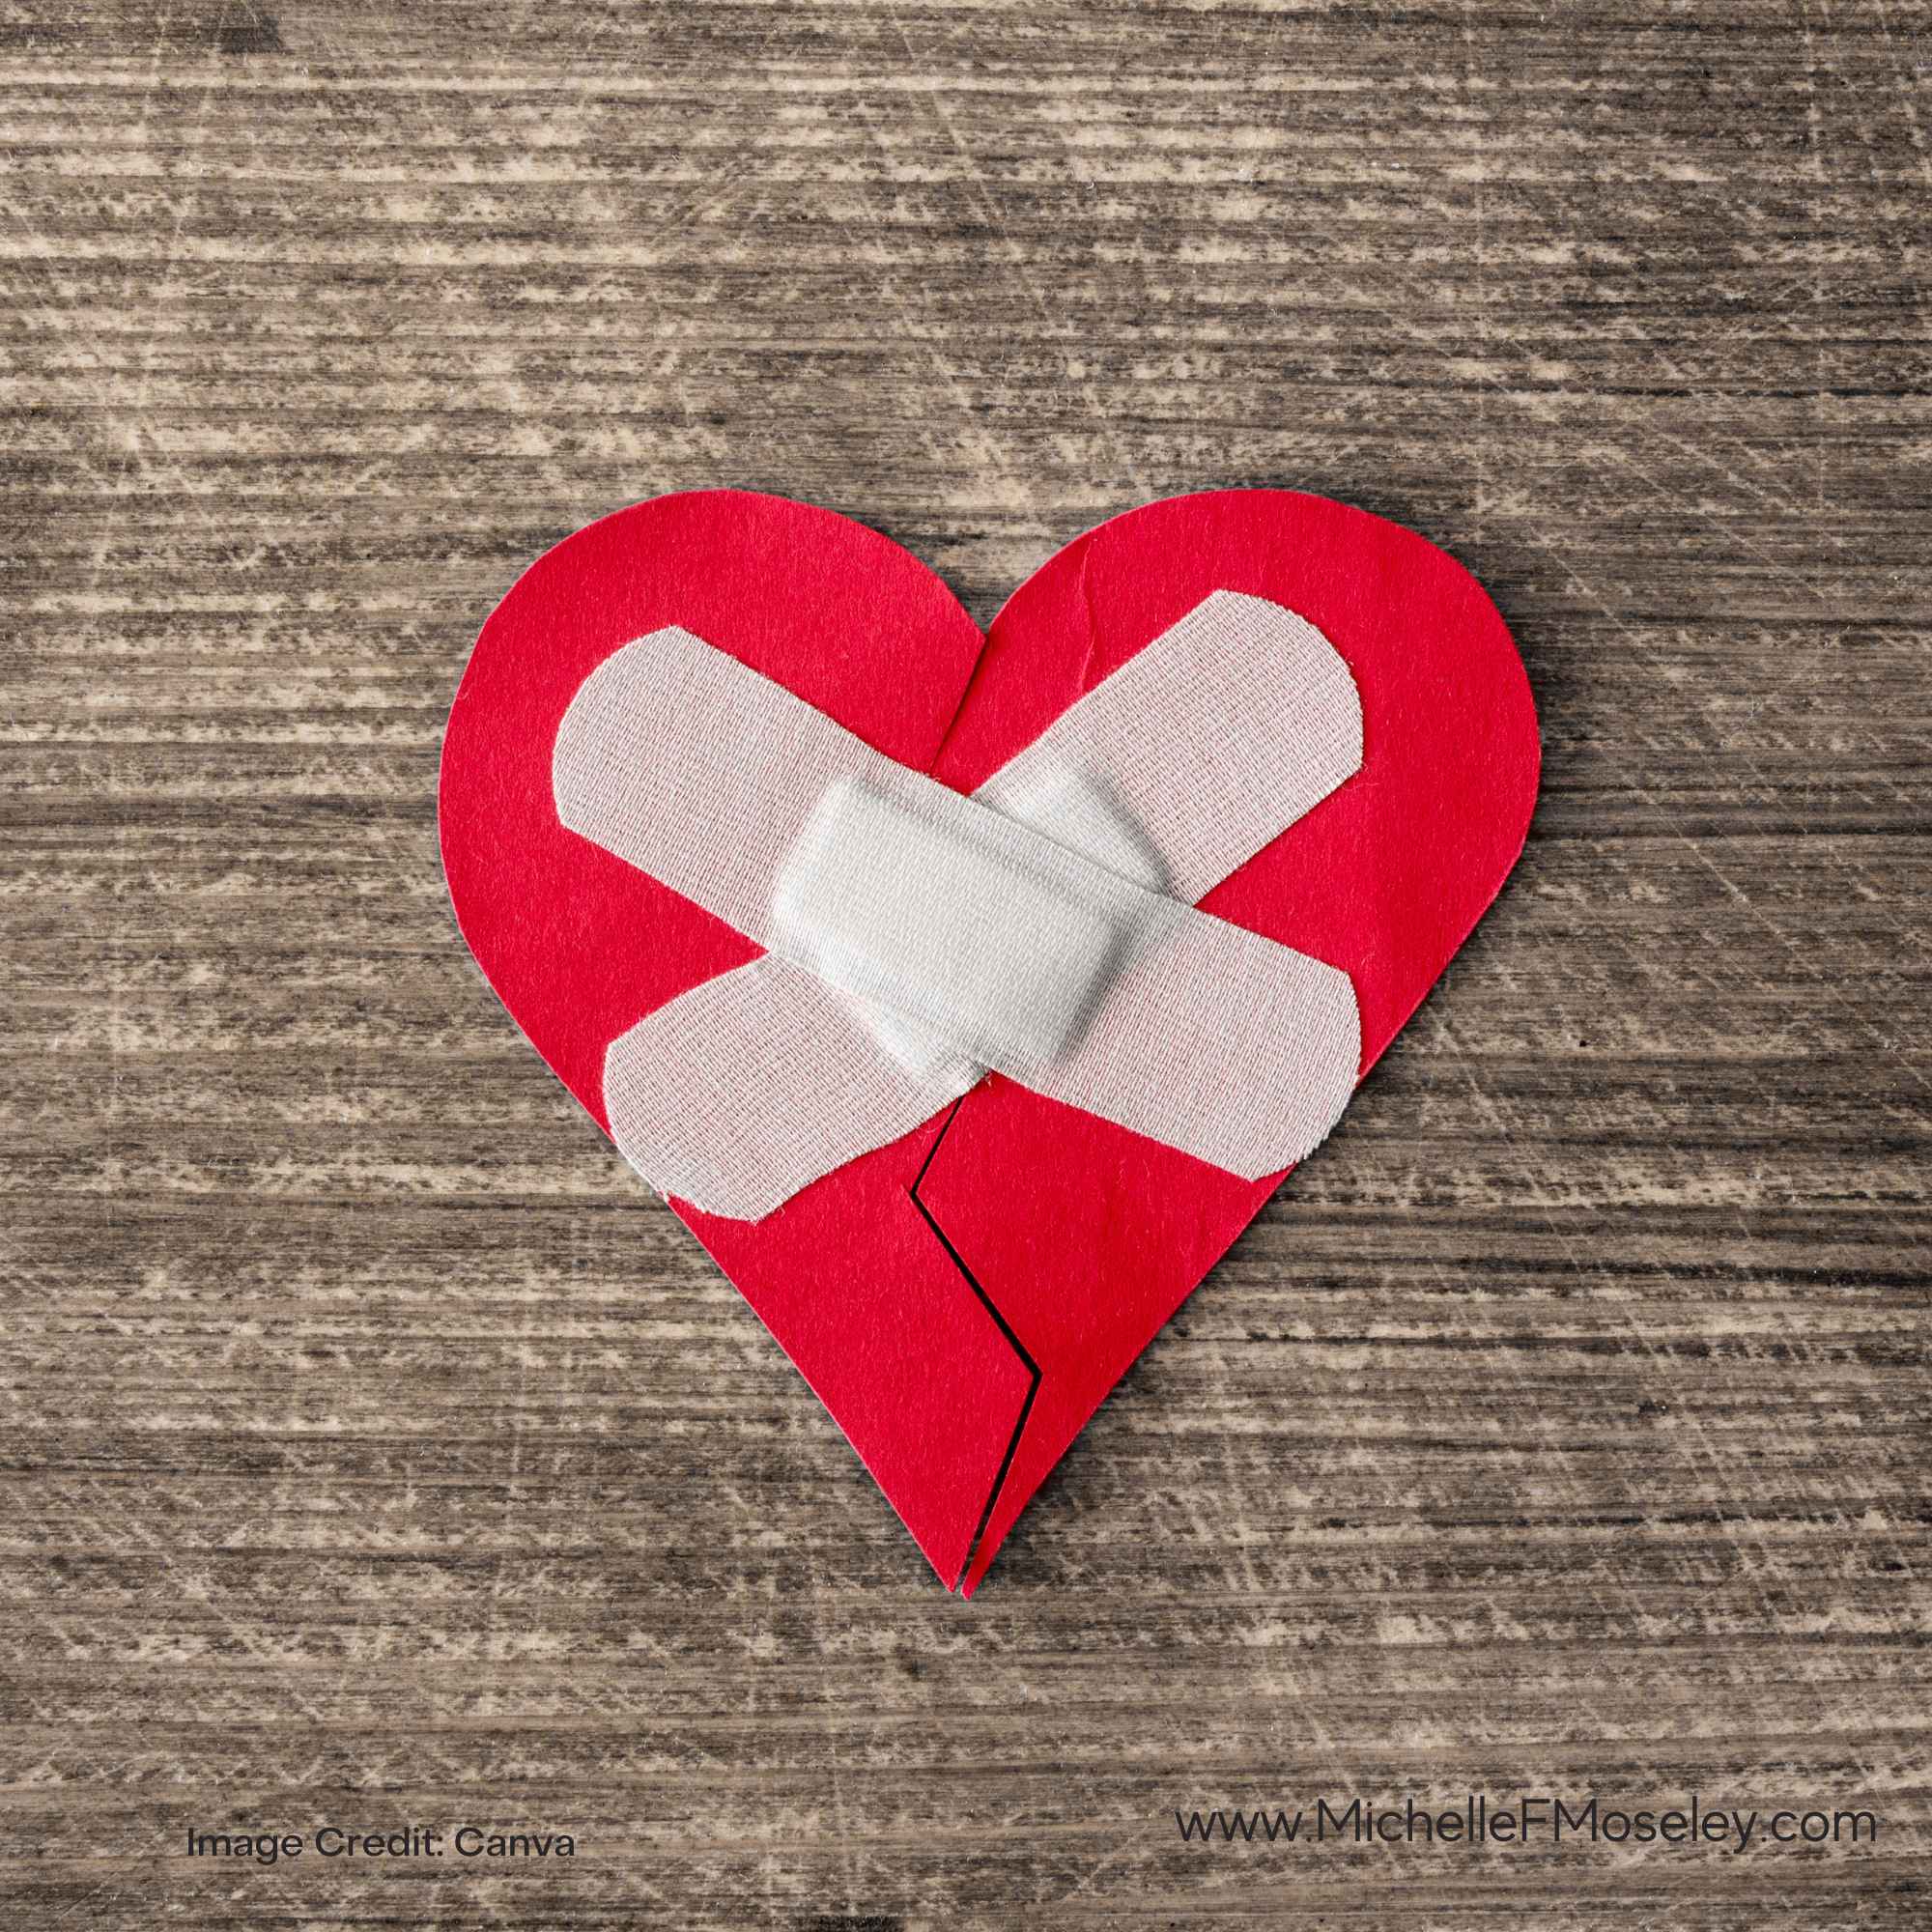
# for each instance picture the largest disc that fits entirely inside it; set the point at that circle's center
(1529, 1821)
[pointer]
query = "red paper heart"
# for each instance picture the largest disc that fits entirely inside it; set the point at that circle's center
(964, 1299)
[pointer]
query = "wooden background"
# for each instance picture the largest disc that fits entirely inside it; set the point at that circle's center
(378, 1451)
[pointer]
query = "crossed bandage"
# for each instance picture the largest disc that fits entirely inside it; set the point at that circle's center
(1043, 928)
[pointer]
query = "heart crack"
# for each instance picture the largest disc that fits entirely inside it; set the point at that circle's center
(1000, 1322)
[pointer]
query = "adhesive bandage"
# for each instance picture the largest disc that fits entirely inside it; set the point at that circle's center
(915, 937)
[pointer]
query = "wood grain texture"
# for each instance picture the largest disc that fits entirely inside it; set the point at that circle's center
(379, 1452)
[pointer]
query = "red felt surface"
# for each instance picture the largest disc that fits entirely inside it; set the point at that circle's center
(1086, 1237)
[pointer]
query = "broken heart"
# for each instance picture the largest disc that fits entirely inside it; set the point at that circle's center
(961, 1267)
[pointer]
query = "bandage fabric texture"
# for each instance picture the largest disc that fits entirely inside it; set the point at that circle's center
(917, 937)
